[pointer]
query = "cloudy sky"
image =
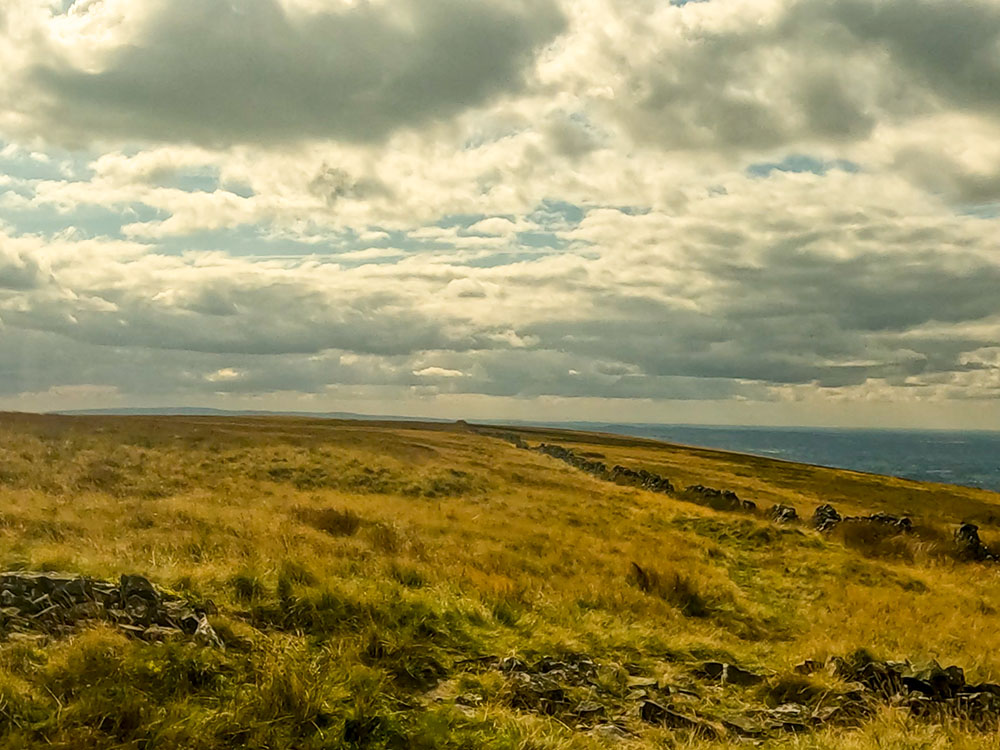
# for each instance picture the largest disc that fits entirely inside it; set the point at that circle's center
(729, 211)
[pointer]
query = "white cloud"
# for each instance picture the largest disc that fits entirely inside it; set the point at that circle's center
(438, 372)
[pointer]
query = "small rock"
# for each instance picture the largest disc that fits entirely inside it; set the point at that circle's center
(932, 680)
(970, 546)
(825, 517)
(782, 513)
(652, 712)
(792, 717)
(609, 733)
(642, 682)
(589, 708)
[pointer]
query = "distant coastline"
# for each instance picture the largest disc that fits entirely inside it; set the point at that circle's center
(969, 458)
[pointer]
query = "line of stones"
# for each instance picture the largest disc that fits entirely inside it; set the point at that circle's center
(825, 518)
(647, 480)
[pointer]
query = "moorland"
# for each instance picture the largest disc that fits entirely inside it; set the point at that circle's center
(430, 585)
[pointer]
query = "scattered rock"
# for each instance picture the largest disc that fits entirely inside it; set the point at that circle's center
(618, 474)
(825, 517)
(543, 686)
(791, 717)
(516, 440)
(610, 733)
(713, 498)
(652, 712)
(782, 513)
(928, 689)
(642, 478)
(970, 546)
(567, 688)
(899, 523)
(933, 681)
(53, 603)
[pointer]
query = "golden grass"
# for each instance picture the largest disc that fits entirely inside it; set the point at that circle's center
(356, 565)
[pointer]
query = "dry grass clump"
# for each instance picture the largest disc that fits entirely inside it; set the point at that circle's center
(925, 541)
(330, 520)
(673, 586)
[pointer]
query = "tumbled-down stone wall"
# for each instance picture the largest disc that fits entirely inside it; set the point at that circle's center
(56, 603)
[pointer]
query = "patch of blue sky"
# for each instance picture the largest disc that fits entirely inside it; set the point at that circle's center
(54, 164)
(462, 221)
(556, 214)
(981, 211)
(631, 210)
(261, 241)
(506, 258)
(541, 240)
(248, 241)
(239, 188)
(801, 163)
(204, 180)
(86, 220)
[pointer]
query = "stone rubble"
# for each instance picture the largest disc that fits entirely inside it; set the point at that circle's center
(55, 603)
(707, 496)
(926, 689)
(970, 546)
(780, 513)
(571, 689)
(718, 499)
(826, 518)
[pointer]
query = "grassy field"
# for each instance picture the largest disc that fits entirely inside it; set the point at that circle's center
(368, 578)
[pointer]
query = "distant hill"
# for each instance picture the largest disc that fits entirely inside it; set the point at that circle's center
(194, 411)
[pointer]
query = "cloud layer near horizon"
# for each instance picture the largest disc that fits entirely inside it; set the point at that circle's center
(325, 203)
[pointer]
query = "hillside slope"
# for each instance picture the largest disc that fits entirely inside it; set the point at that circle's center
(431, 585)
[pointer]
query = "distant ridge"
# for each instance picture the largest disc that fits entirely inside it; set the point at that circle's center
(200, 411)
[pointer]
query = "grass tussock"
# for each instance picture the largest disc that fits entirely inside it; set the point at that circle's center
(672, 586)
(330, 520)
(924, 542)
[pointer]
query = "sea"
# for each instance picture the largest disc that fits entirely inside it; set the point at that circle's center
(971, 459)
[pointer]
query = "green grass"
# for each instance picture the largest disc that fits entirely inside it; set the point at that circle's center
(366, 576)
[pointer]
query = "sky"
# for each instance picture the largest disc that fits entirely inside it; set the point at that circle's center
(767, 212)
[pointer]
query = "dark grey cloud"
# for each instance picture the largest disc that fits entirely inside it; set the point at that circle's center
(796, 315)
(792, 314)
(217, 72)
(949, 48)
(817, 70)
(277, 319)
(19, 272)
